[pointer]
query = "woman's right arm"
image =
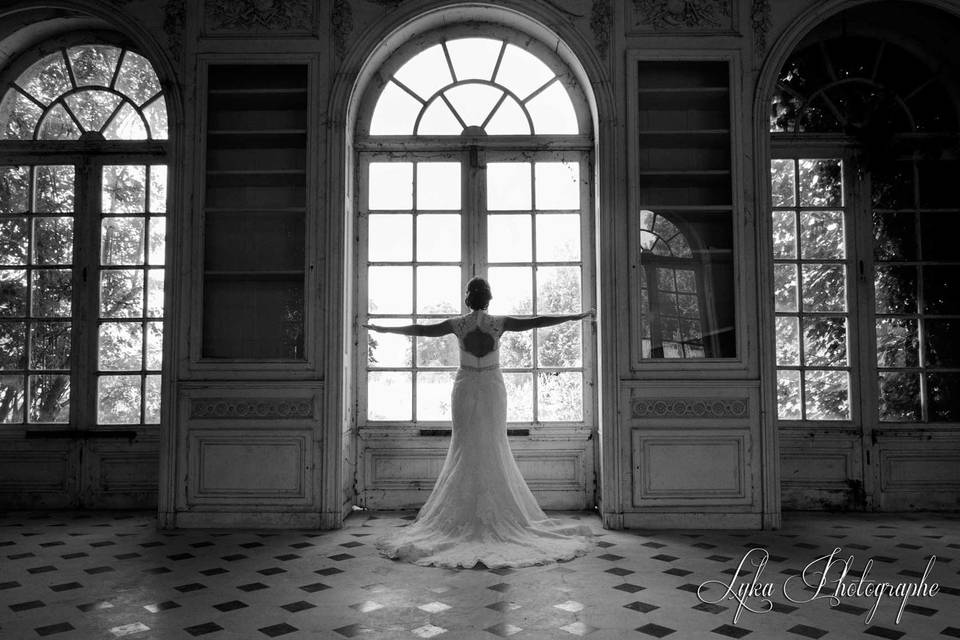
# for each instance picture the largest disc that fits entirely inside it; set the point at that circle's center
(424, 330)
(538, 322)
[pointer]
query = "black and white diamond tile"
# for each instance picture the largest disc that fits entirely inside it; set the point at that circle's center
(89, 575)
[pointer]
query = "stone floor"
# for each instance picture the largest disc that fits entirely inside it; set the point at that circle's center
(112, 575)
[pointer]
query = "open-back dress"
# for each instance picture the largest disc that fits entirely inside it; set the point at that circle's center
(481, 510)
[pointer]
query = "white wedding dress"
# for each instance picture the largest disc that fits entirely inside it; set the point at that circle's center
(481, 510)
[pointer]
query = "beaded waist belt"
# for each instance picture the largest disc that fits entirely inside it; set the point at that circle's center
(469, 368)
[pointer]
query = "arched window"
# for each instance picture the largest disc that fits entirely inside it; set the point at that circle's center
(83, 201)
(864, 308)
(474, 160)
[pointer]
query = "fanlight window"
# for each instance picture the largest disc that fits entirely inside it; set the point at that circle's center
(661, 237)
(85, 92)
(474, 86)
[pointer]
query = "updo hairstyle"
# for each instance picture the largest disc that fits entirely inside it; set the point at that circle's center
(478, 293)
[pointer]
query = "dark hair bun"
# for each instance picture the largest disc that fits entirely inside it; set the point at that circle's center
(478, 293)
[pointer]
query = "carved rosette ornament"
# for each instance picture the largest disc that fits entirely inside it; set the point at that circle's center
(251, 16)
(760, 22)
(683, 15)
(174, 22)
(601, 18)
(714, 408)
(341, 23)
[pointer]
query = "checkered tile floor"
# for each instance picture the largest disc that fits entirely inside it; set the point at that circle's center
(113, 575)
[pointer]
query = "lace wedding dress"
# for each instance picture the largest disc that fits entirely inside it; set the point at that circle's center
(481, 510)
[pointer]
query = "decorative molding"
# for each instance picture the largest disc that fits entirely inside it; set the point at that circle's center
(255, 409)
(259, 15)
(341, 22)
(692, 15)
(174, 23)
(601, 19)
(760, 22)
(722, 408)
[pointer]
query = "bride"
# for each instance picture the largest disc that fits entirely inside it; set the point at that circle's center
(481, 510)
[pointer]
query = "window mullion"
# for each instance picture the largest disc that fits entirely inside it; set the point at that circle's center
(85, 313)
(474, 215)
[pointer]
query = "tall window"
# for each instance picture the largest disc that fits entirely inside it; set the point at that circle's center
(82, 239)
(864, 218)
(456, 180)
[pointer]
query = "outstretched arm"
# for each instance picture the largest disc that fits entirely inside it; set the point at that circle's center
(425, 330)
(537, 322)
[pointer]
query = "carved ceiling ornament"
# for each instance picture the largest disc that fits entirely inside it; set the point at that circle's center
(259, 15)
(601, 19)
(665, 15)
(341, 22)
(760, 21)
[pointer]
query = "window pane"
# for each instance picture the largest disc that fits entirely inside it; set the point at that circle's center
(121, 293)
(13, 338)
(438, 120)
(137, 78)
(824, 341)
(512, 289)
(425, 73)
(896, 289)
(437, 352)
(938, 233)
(508, 186)
(158, 235)
(438, 185)
(151, 400)
(49, 398)
(899, 397)
(474, 58)
(827, 395)
(18, 116)
(155, 293)
(509, 238)
(124, 189)
(14, 188)
(390, 237)
(390, 290)
(473, 102)
(395, 112)
(821, 183)
(51, 290)
(158, 188)
(560, 396)
(785, 287)
(784, 235)
(389, 349)
(560, 345)
(126, 125)
(93, 64)
(14, 241)
(783, 188)
(516, 349)
(11, 399)
(93, 107)
(788, 341)
(47, 78)
(58, 125)
(824, 287)
(433, 395)
(944, 392)
(788, 395)
(557, 185)
(552, 111)
(438, 290)
(438, 238)
(894, 236)
(389, 395)
(898, 343)
(52, 240)
(121, 346)
(53, 189)
(821, 235)
(391, 185)
(508, 119)
(522, 72)
(154, 345)
(13, 293)
(519, 396)
(118, 400)
(50, 345)
(121, 241)
(558, 290)
(941, 290)
(156, 115)
(943, 348)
